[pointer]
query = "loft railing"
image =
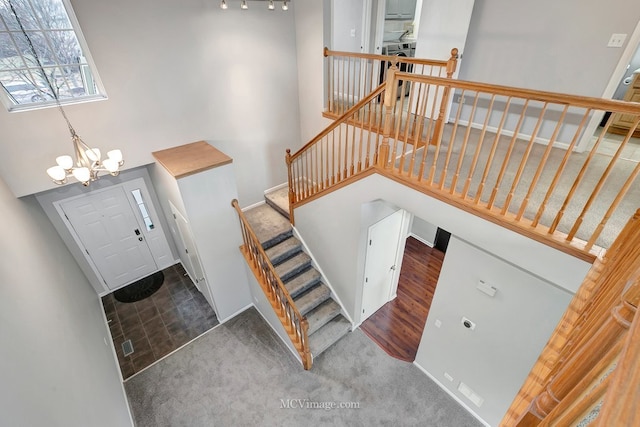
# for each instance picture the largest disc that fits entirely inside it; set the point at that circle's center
(506, 154)
(587, 373)
(294, 323)
(353, 76)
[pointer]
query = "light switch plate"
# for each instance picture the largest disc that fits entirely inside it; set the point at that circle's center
(617, 40)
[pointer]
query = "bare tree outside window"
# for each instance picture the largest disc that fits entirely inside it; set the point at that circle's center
(41, 56)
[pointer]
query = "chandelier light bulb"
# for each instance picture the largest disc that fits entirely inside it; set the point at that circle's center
(83, 175)
(111, 165)
(57, 174)
(65, 162)
(285, 6)
(93, 154)
(116, 155)
(244, 5)
(271, 5)
(223, 5)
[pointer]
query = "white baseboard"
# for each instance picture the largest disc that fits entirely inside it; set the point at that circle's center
(226, 319)
(276, 188)
(453, 396)
(255, 205)
(506, 132)
(420, 239)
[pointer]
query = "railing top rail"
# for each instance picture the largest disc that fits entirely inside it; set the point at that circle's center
(263, 254)
(601, 104)
(408, 60)
(343, 118)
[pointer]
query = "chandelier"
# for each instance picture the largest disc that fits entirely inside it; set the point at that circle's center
(245, 6)
(88, 162)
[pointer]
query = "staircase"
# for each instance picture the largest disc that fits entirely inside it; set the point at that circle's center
(294, 267)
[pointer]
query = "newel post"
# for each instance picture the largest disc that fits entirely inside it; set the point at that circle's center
(292, 194)
(452, 64)
(390, 95)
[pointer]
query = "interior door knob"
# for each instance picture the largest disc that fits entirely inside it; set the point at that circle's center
(140, 238)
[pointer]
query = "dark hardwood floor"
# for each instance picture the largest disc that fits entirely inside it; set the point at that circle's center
(397, 327)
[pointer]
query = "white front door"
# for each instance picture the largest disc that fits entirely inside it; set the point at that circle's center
(107, 227)
(380, 264)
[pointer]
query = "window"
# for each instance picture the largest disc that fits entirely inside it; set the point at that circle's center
(43, 55)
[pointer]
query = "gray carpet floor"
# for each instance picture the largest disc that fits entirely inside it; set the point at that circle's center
(240, 374)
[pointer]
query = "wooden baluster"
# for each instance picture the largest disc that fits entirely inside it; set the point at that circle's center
(452, 142)
(463, 148)
(476, 154)
(407, 133)
(330, 79)
(507, 157)
(353, 147)
(600, 184)
(360, 141)
(542, 163)
(432, 127)
(389, 103)
(437, 133)
(578, 179)
(525, 158)
(492, 152)
(579, 366)
(620, 407)
(561, 167)
(421, 110)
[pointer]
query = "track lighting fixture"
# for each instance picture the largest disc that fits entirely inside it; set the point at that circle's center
(271, 5)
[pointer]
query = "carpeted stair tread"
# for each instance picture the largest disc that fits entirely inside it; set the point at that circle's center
(283, 250)
(294, 265)
(312, 298)
(329, 334)
(279, 200)
(302, 282)
(270, 227)
(322, 314)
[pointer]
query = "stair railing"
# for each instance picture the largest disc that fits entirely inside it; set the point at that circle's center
(589, 366)
(352, 76)
(294, 323)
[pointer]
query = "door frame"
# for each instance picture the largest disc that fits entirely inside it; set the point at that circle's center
(401, 241)
(126, 187)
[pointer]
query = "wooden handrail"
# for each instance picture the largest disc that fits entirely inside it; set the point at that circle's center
(409, 60)
(294, 323)
(342, 119)
(530, 94)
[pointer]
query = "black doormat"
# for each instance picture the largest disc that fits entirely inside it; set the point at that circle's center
(141, 289)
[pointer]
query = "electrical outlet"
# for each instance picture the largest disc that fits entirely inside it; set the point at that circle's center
(617, 40)
(353, 32)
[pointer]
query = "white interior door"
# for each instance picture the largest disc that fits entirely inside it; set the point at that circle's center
(107, 227)
(380, 264)
(190, 258)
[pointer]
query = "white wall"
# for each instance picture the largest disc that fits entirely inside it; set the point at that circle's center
(346, 17)
(57, 369)
(338, 248)
(511, 328)
(547, 45)
(310, 23)
(175, 72)
(424, 231)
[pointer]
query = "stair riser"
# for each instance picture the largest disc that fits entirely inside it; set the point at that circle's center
(277, 239)
(310, 284)
(278, 208)
(307, 307)
(285, 256)
(294, 272)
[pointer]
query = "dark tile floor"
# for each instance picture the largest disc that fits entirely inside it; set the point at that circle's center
(159, 324)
